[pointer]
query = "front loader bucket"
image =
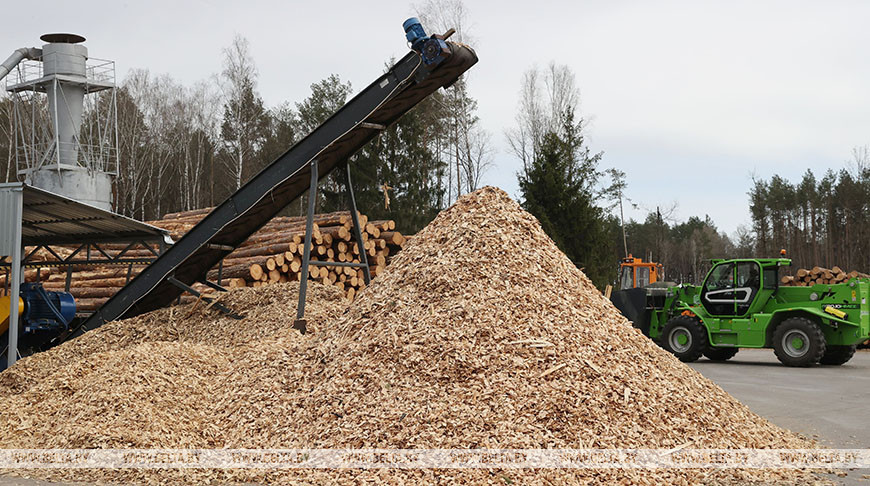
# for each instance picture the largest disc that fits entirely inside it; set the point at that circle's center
(632, 304)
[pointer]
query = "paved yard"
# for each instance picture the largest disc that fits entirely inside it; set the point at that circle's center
(829, 403)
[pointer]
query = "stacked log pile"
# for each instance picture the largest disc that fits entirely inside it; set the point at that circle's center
(275, 253)
(30, 274)
(805, 277)
(272, 255)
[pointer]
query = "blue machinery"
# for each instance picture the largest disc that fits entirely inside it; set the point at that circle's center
(44, 310)
(40, 310)
(433, 63)
(433, 49)
(42, 314)
(48, 225)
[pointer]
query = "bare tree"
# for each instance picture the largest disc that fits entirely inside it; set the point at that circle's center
(466, 150)
(546, 97)
(196, 135)
(134, 144)
(860, 162)
(438, 16)
(164, 115)
(242, 129)
(150, 112)
(8, 137)
(525, 138)
(477, 156)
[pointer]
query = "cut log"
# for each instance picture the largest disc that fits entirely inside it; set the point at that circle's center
(393, 238)
(337, 233)
(115, 282)
(185, 214)
(384, 225)
(256, 271)
(262, 250)
(93, 292)
(240, 269)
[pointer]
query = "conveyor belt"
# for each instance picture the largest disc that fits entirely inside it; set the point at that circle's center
(407, 83)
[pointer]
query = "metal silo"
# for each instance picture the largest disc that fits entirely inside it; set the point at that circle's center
(65, 119)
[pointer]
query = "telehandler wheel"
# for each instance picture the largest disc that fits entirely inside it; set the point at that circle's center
(837, 355)
(798, 341)
(720, 354)
(685, 337)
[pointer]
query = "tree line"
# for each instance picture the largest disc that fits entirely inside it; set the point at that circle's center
(821, 221)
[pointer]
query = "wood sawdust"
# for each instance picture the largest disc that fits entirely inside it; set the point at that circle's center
(268, 311)
(466, 341)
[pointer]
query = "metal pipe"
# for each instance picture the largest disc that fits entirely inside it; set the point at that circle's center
(17, 56)
(357, 231)
(306, 253)
(17, 271)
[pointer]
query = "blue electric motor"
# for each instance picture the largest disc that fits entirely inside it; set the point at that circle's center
(432, 49)
(44, 310)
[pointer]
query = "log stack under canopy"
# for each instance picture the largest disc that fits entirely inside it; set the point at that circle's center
(271, 255)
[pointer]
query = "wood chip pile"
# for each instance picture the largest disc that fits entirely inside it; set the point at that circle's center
(272, 255)
(458, 344)
(805, 277)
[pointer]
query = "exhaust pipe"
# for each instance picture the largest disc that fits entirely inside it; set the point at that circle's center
(17, 56)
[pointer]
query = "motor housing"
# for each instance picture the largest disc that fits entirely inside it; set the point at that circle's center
(45, 310)
(432, 49)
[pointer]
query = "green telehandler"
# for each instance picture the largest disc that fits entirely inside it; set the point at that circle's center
(741, 305)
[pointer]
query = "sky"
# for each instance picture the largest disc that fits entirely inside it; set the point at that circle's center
(691, 99)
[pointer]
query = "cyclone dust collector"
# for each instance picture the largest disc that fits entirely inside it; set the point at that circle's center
(65, 117)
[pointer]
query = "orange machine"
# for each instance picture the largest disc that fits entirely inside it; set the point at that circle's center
(636, 273)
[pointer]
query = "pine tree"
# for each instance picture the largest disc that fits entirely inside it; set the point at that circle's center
(327, 96)
(401, 159)
(558, 188)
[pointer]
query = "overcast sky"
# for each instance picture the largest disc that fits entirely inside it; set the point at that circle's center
(689, 98)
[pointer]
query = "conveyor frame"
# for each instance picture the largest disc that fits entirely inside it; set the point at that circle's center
(331, 144)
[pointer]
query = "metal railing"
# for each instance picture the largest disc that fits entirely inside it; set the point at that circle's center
(100, 158)
(100, 71)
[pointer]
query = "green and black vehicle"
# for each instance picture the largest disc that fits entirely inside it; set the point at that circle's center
(741, 305)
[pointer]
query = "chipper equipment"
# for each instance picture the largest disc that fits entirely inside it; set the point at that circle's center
(741, 305)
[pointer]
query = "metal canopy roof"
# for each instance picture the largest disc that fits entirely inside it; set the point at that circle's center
(50, 219)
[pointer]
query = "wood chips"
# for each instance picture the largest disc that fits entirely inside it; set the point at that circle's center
(480, 334)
